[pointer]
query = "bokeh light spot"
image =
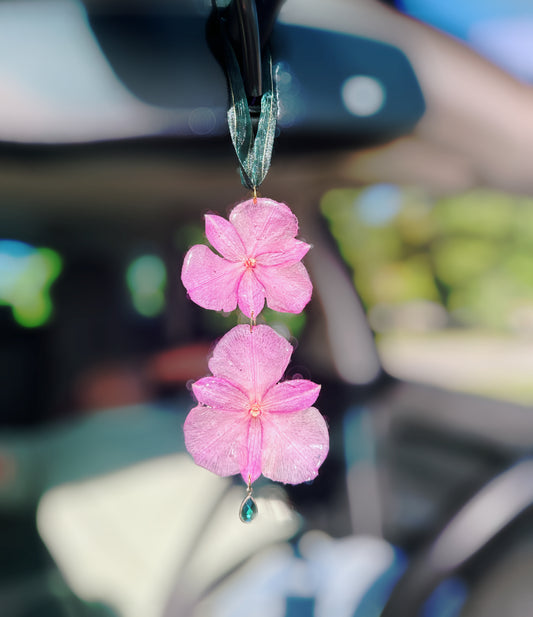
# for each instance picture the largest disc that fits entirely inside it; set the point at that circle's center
(363, 95)
(26, 275)
(146, 277)
(377, 205)
(202, 121)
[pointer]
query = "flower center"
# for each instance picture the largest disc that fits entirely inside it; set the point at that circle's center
(250, 262)
(255, 410)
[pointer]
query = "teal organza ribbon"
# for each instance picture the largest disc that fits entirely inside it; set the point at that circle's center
(253, 151)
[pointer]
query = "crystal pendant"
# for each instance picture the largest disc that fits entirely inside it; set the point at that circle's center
(248, 510)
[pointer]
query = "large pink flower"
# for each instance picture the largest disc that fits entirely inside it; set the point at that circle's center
(260, 259)
(246, 422)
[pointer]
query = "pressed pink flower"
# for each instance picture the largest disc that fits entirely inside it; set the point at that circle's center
(260, 258)
(248, 423)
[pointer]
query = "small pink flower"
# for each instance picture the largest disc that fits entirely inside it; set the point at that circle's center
(260, 259)
(248, 423)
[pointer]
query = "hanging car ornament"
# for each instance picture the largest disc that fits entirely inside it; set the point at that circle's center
(248, 419)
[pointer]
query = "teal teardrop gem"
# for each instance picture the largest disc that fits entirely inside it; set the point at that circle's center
(248, 510)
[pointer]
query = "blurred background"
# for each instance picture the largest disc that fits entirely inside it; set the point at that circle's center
(404, 141)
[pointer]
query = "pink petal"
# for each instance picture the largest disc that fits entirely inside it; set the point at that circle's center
(217, 441)
(290, 396)
(223, 237)
(252, 470)
(288, 288)
(250, 294)
(293, 251)
(251, 359)
(294, 445)
(265, 226)
(211, 281)
(220, 394)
